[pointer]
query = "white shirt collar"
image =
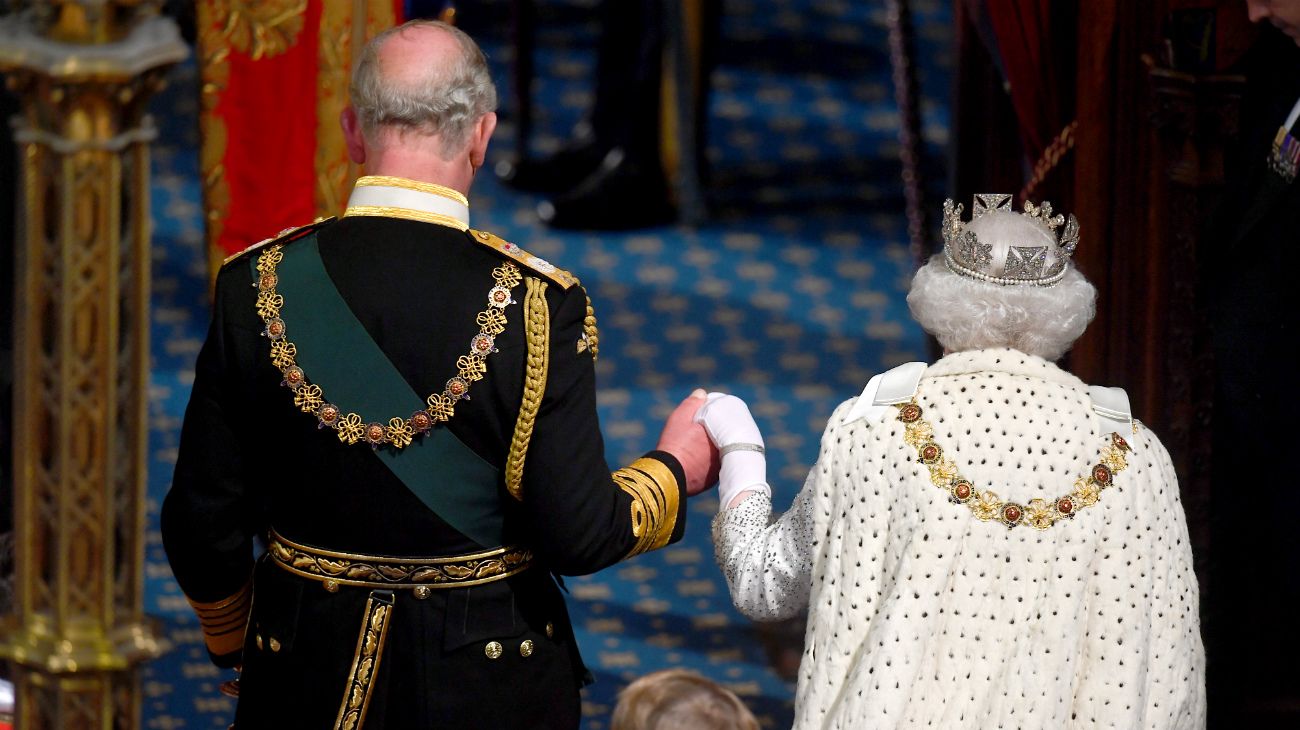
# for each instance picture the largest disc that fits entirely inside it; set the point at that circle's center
(398, 197)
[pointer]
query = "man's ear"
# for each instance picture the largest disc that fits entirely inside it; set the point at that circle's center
(353, 137)
(479, 141)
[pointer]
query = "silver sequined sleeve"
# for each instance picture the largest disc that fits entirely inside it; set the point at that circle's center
(768, 566)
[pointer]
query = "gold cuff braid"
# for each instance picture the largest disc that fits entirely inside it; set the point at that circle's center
(655, 495)
(537, 331)
(224, 621)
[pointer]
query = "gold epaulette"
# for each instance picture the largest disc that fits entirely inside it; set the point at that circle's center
(284, 236)
(525, 259)
(537, 332)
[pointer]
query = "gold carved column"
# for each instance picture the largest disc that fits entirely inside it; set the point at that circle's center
(83, 71)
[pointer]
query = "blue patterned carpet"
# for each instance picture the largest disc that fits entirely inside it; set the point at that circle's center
(791, 298)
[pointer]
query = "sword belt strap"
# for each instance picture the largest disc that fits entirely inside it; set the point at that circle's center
(336, 569)
(360, 682)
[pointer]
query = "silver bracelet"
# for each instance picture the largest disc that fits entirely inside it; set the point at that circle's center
(740, 446)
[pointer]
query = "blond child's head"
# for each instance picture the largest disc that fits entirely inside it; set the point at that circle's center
(675, 699)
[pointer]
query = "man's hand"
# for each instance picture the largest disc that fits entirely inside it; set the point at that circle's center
(689, 442)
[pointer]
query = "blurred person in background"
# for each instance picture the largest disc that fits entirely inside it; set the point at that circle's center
(1255, 324)
(610, 174)
(678, 699)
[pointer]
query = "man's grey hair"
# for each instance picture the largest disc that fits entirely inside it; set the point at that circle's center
(966, 314)
(444, 101)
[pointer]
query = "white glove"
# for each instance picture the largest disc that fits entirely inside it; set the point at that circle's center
(731, 428)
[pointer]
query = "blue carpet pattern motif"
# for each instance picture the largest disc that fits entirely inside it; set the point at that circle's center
(791, 298)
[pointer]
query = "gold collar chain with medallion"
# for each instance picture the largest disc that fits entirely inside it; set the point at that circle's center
(985, 504)
(351, 428)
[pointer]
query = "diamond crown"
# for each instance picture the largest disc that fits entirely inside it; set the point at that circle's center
(1037, 265)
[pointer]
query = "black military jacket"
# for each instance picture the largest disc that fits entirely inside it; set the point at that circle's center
(250, 462)
(1248, 289)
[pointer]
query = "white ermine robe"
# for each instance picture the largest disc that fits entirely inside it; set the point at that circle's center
(922, 616)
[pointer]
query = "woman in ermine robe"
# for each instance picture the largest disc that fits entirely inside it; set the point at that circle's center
(984, 542)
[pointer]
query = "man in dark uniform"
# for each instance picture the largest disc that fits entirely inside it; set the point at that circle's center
(404, 410)
(1250, 283)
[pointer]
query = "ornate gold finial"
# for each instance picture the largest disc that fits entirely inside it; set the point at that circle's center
(85, 22)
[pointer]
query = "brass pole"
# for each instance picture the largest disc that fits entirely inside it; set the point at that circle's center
(83, 71)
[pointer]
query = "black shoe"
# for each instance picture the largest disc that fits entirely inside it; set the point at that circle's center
(573, 163)
(620, 194)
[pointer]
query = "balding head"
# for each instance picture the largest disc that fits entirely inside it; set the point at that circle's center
(426, 78)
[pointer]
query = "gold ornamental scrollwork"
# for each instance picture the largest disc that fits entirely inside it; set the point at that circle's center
(365, 663)
(372, 571)
(262, 28)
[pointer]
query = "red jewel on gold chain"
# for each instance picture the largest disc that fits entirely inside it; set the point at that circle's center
(985, 504)
(350, 427)
(1101, 474)
(1011, 514)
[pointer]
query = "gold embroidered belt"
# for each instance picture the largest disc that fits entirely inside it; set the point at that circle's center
(336, 569)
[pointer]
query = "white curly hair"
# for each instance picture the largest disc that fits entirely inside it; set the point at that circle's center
(964, 313)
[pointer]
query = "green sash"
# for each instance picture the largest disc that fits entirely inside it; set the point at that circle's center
(338, 354)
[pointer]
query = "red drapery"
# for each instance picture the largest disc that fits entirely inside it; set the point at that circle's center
(1037, 72)
(1022, 30)
(275, 76)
